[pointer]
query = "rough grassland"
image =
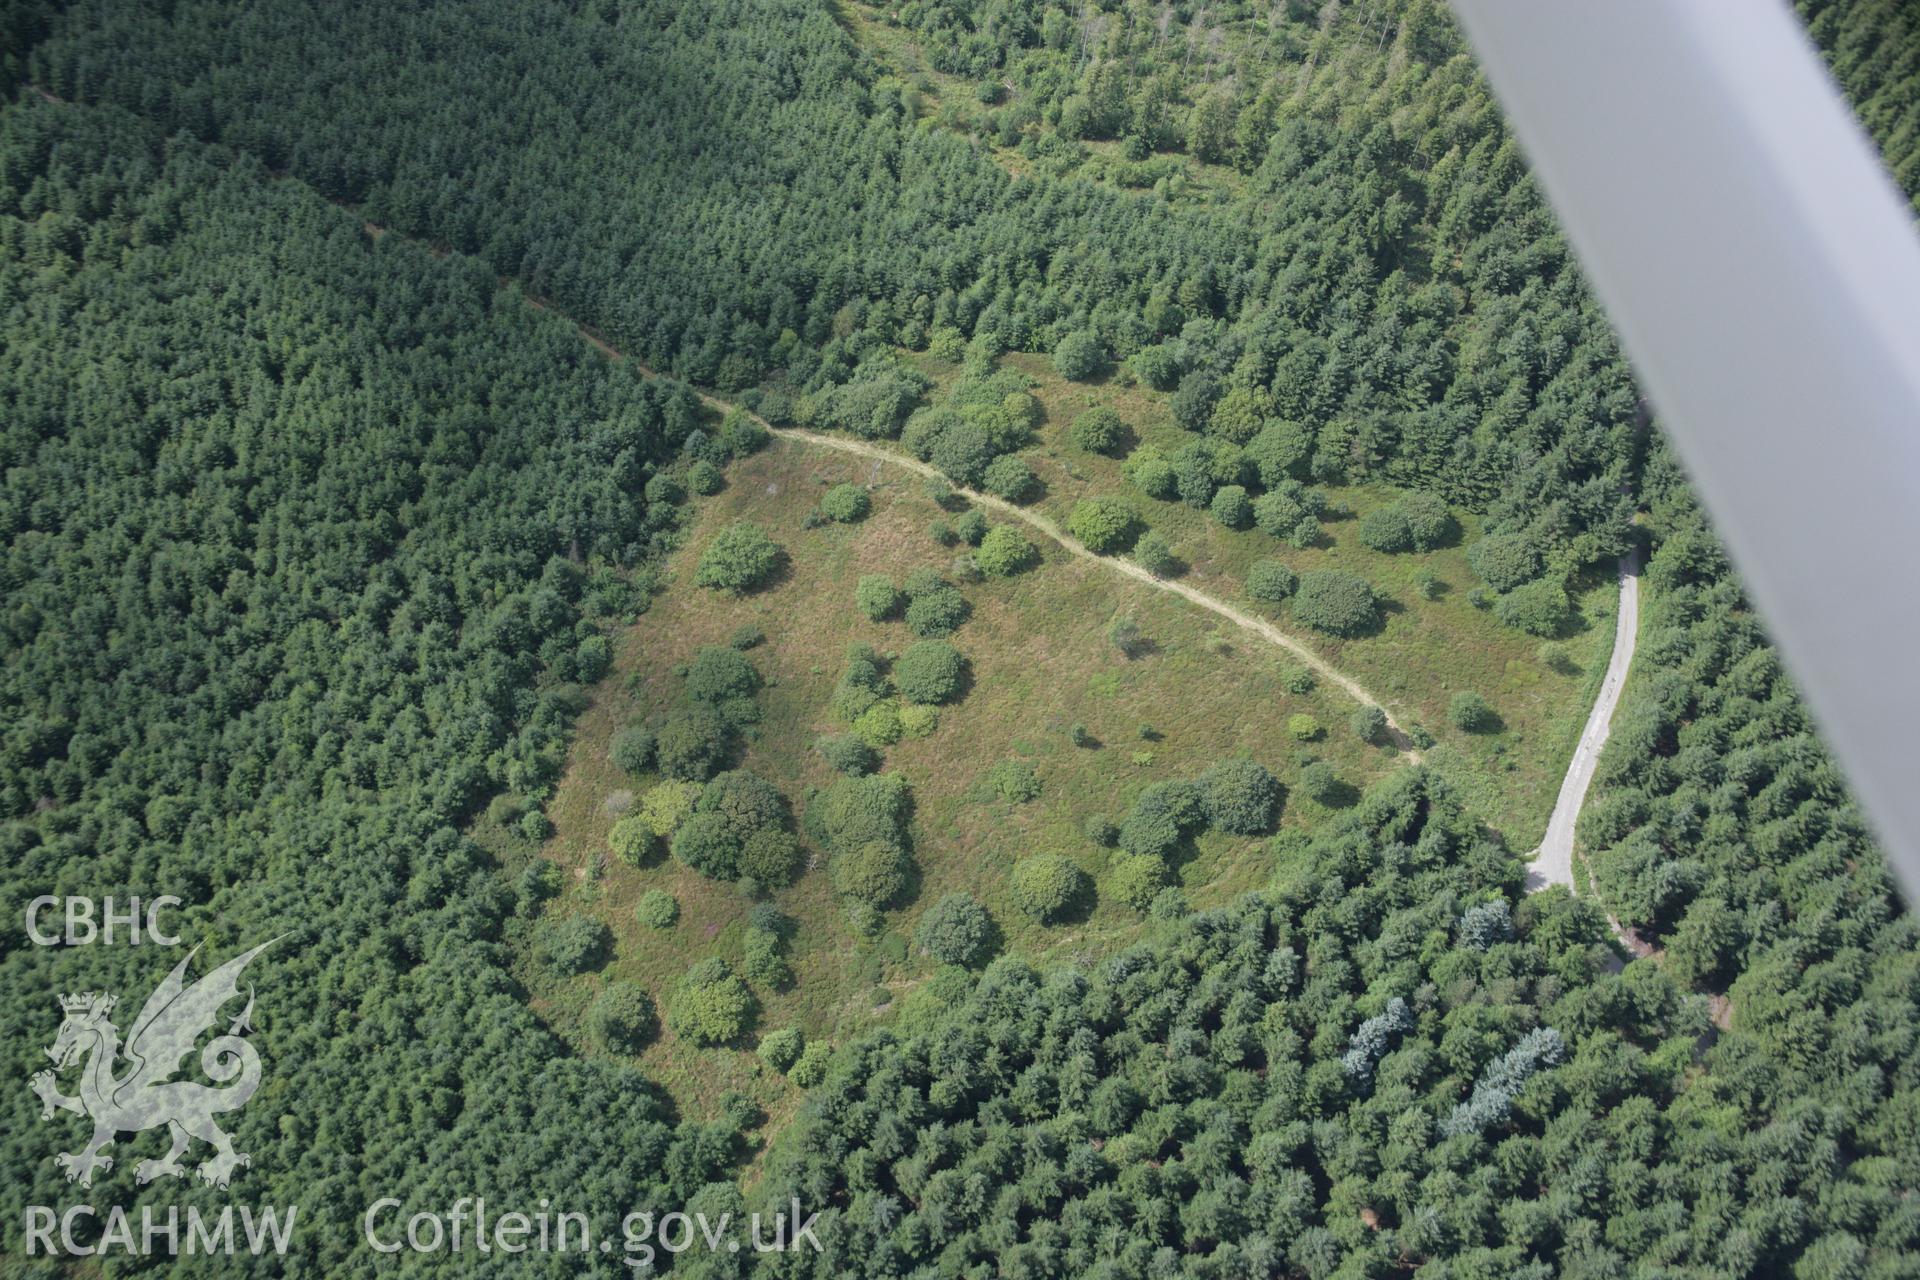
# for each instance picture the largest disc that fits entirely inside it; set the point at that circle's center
(1040, 664)
(1429, 649)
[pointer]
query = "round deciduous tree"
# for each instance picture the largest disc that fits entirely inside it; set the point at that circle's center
(1505, 560)
(1014, 781)
(1010, 478)
(1319, 781)
(963, 452)
(879, 725)
(1136, 880)
(848, 754)
(876, 596)
(1386, 529)
(1429, 521)
(1241, 797)
(1539, 608)
(1124, 634)
(781, 1049)
(1470, 712)
(1336, 602)
(854, 811)
(1280, 452)
(708, 844)
(663, 490)
(763, 960)
(873, 873)
(811, 1068)
(1271, 581)
(658, 909)
(632, 841)
(845, 503)
(1194, 400)
(666, 806)
(1154, 553)
(1104, 525)
(1097, 430)
(929, 672)
(1152, 832)
(574, 945)
(718, 674)
(1369, 725)
(1149, 469)
(745, 801)
(1158, 366)
(1278, 514)
(633, 749)
(711, 1006)
(1021, 412)
(772, 857)
(740, 557)
(1005, 551)
(1045, 885)
(1231, 506)
(936, 613)
(691, 743)
(622, 1019)
(955, 930)
(1239, 415)
(1079, 356)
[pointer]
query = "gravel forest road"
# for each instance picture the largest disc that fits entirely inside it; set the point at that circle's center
(1553, 861)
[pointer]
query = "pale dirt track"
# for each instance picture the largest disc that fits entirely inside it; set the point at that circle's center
(1126, 568)
(1553, 860)
(1551, 863)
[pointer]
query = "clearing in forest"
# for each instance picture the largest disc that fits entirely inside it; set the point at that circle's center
(1041, 662)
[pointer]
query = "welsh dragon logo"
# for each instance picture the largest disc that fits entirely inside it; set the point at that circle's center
(126, 1090)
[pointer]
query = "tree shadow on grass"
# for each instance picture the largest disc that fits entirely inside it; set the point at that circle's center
(1563, 664)
(992, 943)
(1079, 907)
(777, 577)
(962, 685)
(1174, 567)
(911, 884)
(1036, 492)
(1341, 795)
(1397, 740)
(1184, 851)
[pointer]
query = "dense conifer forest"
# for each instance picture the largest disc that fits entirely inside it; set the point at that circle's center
(323, 526)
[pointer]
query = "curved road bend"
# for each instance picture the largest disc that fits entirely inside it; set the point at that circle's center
(1553, 860)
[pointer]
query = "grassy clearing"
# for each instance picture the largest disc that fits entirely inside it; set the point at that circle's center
(1040, 662)
(952, 102)
(1429, 649)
